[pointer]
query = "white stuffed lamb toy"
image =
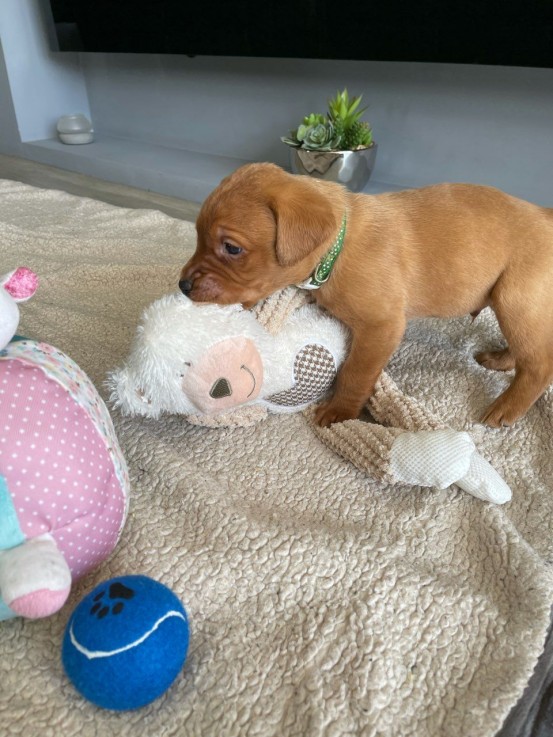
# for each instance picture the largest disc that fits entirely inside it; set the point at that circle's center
(189, 358)
(204, 360)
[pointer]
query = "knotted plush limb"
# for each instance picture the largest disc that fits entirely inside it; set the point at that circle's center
(431, 458)
(390, 406)
(273, 312)
(450, 455)
(439, 458)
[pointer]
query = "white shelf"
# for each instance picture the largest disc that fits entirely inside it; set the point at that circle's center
(189, 175)
(176, 172)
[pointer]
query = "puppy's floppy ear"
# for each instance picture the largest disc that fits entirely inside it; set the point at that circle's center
(305, 219)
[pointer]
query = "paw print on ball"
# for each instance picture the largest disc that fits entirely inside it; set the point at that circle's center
(118, 593)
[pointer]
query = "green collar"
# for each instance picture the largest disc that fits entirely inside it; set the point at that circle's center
(325, 266)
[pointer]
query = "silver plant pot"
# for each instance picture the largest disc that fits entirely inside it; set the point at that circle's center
(351, 168)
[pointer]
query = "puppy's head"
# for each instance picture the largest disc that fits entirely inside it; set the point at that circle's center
(259, 231)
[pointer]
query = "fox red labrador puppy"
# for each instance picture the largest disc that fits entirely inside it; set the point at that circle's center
(376, 261)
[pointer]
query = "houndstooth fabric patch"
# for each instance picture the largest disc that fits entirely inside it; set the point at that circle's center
(314, 373)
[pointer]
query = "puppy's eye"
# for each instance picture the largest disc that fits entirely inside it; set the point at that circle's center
(232, 249)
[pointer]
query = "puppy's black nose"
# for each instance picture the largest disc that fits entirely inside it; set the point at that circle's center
(185, 285)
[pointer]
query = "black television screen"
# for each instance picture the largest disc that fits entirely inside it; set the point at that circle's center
(449, 31)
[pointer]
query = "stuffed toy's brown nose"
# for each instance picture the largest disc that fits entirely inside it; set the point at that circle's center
(221, 388)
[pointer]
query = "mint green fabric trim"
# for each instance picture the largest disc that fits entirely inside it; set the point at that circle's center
(10, 531)
(5, 611)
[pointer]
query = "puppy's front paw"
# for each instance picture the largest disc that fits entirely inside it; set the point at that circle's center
(501, 413)
(331, 412)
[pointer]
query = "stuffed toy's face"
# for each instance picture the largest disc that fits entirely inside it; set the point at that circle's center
(189, 359)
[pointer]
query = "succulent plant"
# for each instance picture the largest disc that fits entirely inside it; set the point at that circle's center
(345, 115)
(340, 129)
(343, 109)
(318, 137)
(315, 133)
(314, 119)
(360, 135)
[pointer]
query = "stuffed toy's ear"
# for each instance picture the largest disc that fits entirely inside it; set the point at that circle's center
(20, 284)
(305, 219)
(128, 395)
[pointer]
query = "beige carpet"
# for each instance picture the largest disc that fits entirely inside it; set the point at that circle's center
(321, 602)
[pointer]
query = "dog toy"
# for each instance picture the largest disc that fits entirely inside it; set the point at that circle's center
(63, 479)
(191, 358)
(204, 360)
(125, 642)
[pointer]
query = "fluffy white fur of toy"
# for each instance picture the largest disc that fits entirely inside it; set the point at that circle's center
(174, 333)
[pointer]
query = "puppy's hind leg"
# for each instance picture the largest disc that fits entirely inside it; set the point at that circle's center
(496, 360)
(526, 320)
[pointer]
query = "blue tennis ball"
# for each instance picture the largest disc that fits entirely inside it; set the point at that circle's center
(126, 642)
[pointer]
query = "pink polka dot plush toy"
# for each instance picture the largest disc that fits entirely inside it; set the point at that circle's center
(63, 479)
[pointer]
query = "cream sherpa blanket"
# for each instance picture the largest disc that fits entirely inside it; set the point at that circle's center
(321, 602)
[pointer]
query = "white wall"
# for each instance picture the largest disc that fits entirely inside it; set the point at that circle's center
(43, 84)
(9, 132)
(433, 122)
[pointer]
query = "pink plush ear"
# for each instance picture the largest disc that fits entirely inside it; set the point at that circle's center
(21, 284)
